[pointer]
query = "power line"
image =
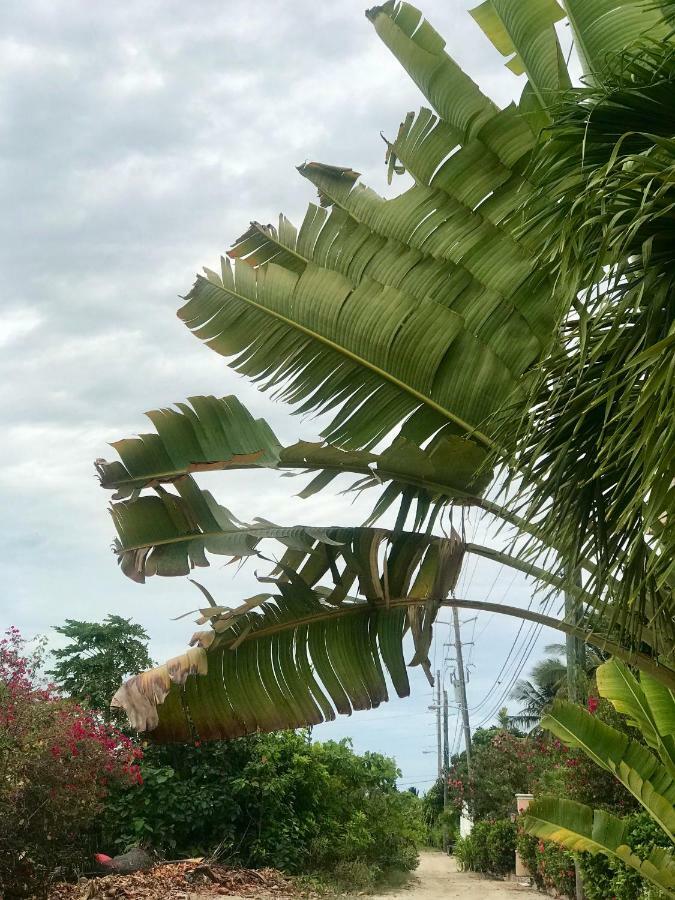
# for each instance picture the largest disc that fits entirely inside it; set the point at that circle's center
(520, 665)
(497, 680)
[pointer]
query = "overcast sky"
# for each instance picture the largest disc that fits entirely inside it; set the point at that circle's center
(139, 138)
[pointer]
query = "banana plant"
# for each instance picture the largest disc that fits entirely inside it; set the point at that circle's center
(648, 772)
(414, 322)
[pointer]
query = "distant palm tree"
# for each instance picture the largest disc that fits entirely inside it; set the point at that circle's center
(547, 679)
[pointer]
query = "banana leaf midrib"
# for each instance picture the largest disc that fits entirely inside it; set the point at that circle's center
(532, 819)
(341, 203)
(287, 461)
(609, 766)
(662, 673)
(359, 360)
(275, 239)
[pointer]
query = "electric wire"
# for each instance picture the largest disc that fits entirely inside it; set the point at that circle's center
(524, 658)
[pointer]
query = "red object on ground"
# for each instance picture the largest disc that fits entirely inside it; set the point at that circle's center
(102, 859)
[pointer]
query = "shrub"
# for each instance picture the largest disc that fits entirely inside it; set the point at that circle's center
(57, 762)
(490, 848)
(355, 875)
(502, 764)
(550, 865)
(271, 800)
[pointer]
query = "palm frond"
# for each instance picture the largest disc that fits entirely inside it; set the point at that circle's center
(210, 434)
(595, 453)
(295, 661)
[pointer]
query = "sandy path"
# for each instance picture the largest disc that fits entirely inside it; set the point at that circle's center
(439, 879)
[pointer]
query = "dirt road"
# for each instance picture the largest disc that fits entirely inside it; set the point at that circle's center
(439, 879)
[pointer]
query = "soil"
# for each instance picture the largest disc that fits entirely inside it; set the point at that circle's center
(438, 878)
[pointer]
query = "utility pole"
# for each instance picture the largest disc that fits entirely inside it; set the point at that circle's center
(446, 766)
(461, 676)
(438, 724)
(446, 734)
(575, 666)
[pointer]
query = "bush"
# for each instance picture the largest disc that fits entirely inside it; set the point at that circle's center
(502, 764)
(58, 762)
(550, 865)
(355, 875)
(271, 800)
(439, 821)
(490, 848)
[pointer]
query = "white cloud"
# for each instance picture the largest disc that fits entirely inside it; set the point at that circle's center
(16, 324)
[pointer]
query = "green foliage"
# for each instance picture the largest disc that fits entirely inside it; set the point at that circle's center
(415, 322)
(550, 866)
(536, 693)
(603, 877)
(502, 764)
(98, 657)
(439, 822)
(275, 800)
(311, 651)
(489, 848)
(647, 775)
(594, 456)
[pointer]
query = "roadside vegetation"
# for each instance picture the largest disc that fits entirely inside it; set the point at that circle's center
(74, 784)
(572, 759)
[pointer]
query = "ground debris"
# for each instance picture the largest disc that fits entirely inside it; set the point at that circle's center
(187, 880)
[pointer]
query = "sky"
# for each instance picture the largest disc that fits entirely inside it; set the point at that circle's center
(138, 139)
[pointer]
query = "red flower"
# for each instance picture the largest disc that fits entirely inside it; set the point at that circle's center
(592, 704)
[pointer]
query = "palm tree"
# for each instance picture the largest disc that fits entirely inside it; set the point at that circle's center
(424, 317)
(595, 450)
(536, 693)
(548, 680)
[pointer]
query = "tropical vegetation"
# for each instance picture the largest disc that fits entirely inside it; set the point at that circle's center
(73, 785)
(283, 800)
(490, 847)
(96, 657)
(647, 772)
(59, 763)
(548, 679)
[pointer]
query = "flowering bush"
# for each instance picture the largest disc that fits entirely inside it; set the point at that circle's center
(502, 764)
(550, 865)
(57, 761)
(585, 781)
